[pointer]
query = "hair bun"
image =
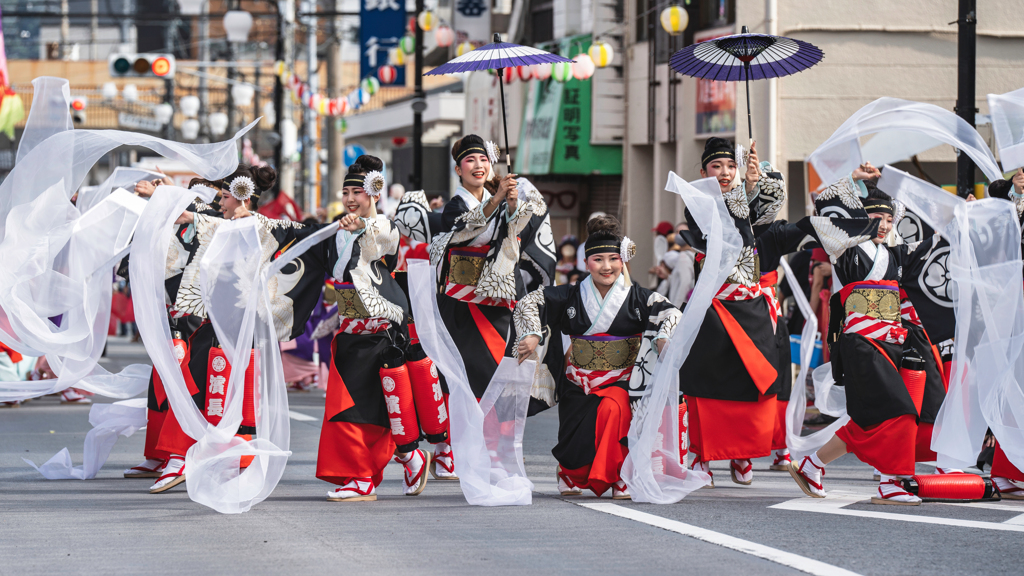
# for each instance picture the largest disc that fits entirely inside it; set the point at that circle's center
(715, 142)
(606, 224)
(263, 176)
(369, 163)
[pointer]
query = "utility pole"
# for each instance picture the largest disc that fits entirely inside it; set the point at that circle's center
(204, 57)
(283, 103)
(419, 104)
(309, 147)
(169, 34)
(65, 30)
(965, 89)
(94, 28)
(335, 140)
(231, 75)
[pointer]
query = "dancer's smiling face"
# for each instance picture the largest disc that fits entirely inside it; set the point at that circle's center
(473, 170)
(883, 227)
(229, 203)
(721, 169)
(604, 268)
(357, 201)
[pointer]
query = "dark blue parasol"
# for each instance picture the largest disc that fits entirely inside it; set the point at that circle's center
(745, 57)
(497, 56)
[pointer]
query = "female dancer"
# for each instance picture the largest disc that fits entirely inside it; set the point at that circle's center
(478, 259)
(731, 401)
(298, 286)
(867, 338)
(607, 318)
(364, 423)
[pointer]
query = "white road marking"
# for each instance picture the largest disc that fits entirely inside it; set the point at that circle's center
(795, 561)
(1016, 520)
(835, 504)
(301, 417)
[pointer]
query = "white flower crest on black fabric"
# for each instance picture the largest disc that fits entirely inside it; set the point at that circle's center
(492, 151)
(627, 249)
(242, 188)
(198, 189)
(374, 183)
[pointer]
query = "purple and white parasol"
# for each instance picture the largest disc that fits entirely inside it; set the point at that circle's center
(498, 55)
(745, 57)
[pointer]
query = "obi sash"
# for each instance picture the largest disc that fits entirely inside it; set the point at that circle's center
(769, 287)
(907, 311)
(354, 317)
(465, 265)
(597, 360)
(761, 371)
(872, 309)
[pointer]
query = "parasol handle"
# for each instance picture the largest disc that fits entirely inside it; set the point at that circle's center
(504, 121)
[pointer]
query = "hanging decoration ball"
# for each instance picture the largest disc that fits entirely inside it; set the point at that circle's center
(582, 67)
(396, 57)
(387, 74)
(561, 71)
(407, 44)
(364, 96)
(674, 20)
(508, 75)
(463, 48)
(342, 106)
(601, 53)
(444, 36)
(525, 73)
(279, 68)
(370, 85)
(541, 71)
(427, 20)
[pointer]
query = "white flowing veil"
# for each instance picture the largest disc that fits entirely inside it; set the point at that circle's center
(986, 386)
(652, 470)
(827, 395)
(1008, 127)
(486, 437)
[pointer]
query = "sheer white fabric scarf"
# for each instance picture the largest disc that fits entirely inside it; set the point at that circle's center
(1008, 127)
(986, 387)
(652, 470)
(903, 129)
(486, 437)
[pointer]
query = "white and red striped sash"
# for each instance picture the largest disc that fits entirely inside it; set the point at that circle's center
(467, 292)
(874, 328)
(909, 313)
(733, 292)
(363, 325)
(591, 379)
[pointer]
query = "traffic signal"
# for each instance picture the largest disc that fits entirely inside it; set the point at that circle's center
(141, 65)
(78, 105)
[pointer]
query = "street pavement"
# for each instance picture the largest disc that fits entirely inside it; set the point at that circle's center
(111, 525)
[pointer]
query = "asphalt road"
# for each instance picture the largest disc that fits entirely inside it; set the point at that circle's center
(111, 525)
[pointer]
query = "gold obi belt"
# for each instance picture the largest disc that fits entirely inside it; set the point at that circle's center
(345, 296)
(872, 310)
(600, 359)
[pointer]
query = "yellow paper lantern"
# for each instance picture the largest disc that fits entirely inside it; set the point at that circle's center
(601, 53)
(464, 47)
(674, 20)
(396, 57)
(426, 20)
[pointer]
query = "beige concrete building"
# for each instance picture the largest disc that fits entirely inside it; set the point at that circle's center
(873, 48)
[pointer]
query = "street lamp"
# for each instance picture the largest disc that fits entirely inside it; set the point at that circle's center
(163, 112)
(109, 91)
(189, 106)
(191, 7)
(130, 93)
(190, 129)
(218, 123)
(242, 94)
(237, 24)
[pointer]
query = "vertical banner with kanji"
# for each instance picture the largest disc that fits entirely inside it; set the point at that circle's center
(473, 20)
(382, 25)
(716, 101)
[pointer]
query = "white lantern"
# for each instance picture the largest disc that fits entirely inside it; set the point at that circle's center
(191, 7)
(189, 106)
(237, 24)
(109, 90)
(582, 67)
(541, 71)
(190, 129)
(444, 36)
(130, 93)
(218, 122)
(163, 112)
(242, 94)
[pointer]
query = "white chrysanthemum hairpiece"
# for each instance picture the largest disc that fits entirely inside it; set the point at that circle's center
(627, 249)
(492, 151)
(242, 188)
(374, 183)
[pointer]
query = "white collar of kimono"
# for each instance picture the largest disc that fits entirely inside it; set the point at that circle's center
(602, 311)
(471, 201)
(879, 256)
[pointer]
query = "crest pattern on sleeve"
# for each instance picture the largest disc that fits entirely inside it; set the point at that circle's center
(844, 190)
(769, 195)
(189, 299)
(411, 216)
(526, 315)
(736, 201)
(498, 277)
(379, 239)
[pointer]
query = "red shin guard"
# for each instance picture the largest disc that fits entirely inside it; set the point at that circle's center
(913, 374)
(405, 429)
(429, 399)
(218, 372)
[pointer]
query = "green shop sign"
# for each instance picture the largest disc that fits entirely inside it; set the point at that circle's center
(555, 137)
